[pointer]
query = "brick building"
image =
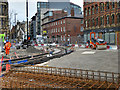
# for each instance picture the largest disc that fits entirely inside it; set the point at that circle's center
(64, 30)
(102, 18)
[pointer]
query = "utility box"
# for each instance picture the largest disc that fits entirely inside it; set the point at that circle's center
(1, 45)
(1, 41)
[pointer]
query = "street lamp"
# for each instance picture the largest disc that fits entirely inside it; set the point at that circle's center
(27, 19)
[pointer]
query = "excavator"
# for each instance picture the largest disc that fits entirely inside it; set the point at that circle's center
(96, 43)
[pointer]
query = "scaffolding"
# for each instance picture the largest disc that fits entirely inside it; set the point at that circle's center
(54, 77)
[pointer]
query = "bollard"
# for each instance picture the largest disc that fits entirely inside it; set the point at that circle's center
(1, 65)
(8, 67)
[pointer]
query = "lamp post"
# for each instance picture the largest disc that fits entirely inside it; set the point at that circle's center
(27, 19)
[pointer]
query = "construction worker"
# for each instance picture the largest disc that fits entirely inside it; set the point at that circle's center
(7, 47)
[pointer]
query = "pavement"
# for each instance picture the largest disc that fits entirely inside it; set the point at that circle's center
(87, 59)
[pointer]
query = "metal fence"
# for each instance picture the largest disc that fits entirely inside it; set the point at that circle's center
(68, 72)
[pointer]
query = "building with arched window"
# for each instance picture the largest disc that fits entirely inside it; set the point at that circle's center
(4, 18)
(103, 18)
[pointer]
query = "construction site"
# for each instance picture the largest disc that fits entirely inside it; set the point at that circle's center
(38, 68)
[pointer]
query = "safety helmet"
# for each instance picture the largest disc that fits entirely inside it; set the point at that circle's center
(7, 41)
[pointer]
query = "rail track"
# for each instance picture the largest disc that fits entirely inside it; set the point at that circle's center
(35, 59)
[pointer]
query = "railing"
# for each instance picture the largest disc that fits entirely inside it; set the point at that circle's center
(68, 72)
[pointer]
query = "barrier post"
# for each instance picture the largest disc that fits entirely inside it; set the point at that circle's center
(1, 66)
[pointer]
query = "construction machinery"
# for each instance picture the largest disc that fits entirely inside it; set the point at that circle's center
(96, 43)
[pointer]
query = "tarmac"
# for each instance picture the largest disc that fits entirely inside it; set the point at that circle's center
(87, 59)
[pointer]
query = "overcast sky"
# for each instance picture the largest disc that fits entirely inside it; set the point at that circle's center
(18, 6)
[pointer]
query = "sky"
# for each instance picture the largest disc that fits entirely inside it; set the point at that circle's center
(19, 7)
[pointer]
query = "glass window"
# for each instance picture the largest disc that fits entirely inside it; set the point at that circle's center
(88, 36)
(112, 38)
(96, 9)
(107, 19)
(113, 5)
(96, 35)
(113, 19)
(96, 21)
(118, 4)
(89, 11)
(61, 22)
(56, 29)
(56, 23)
(101, 7)
(64, 29)
(50, 13)
(86, 12)
(107, 4)
(93, 22)
(107, 37)
(93, 10)
(101, 20)
(85, 37)
(118, 18)
(81, 29)
(89, 23)
(81, 21)
(85, 23)
(61, 29)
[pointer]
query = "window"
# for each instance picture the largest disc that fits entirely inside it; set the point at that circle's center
(96, 21)
(93, 10)
(85, 12)
(107, 4)
(81, 21)
(101, 6)
(113, 5)
(113, 19)
(61, 22)
(118, 18)
(101, 20)
(107, 19)
(89, 23)
(89, 11)
(64, 29)
(112, 38)
(93, 22)
(56, 29)
(86, 24)
(118, 4)
(96, 7)
(81, 29)
(56, 23)
(61, 29)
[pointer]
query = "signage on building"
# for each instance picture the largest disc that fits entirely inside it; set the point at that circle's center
(44, 32)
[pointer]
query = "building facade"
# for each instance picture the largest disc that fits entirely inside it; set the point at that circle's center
(33, 27)
(64, 30)
(103, 18)
(4, 22)
(43, 7)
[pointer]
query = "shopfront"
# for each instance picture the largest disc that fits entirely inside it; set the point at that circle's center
(108, 34)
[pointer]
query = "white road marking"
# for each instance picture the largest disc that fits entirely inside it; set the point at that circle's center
(88, 52)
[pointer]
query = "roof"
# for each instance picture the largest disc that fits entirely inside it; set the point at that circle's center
(63, 18)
